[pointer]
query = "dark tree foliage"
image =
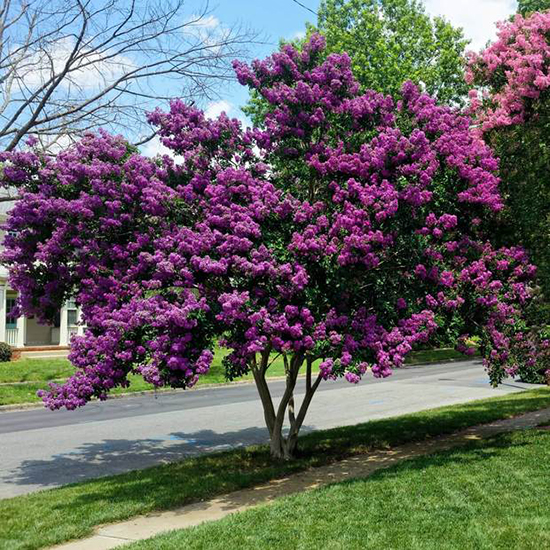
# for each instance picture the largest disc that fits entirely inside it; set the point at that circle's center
(525, 7)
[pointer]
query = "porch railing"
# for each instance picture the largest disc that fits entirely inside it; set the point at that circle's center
(11, 336)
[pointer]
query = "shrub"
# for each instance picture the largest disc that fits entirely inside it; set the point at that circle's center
(5, 352)
(535, 361)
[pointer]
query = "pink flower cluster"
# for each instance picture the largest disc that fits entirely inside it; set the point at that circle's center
(346, 231)
(512, 72)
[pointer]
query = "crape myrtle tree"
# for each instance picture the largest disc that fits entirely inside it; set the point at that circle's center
(346, 231)
(511, 105)
(389, 42)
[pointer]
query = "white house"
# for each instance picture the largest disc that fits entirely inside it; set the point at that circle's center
(26, 332)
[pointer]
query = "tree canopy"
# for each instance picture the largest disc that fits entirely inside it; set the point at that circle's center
(392, 41)
(347, 230)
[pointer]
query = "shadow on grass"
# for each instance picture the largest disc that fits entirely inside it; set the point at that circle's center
(381, 467)
(243, 468)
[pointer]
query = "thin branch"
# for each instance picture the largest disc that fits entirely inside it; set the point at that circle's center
(126, 52)
(145, 139)
(305, 7)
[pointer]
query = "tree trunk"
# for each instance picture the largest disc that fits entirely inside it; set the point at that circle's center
(281, 447)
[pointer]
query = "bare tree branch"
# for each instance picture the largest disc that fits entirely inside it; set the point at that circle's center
(146, 139)
(68, 66)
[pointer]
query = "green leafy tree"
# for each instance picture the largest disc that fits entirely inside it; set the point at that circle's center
(391, 41)
(525, 161)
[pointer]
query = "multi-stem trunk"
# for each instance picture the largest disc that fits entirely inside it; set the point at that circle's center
(284, 446)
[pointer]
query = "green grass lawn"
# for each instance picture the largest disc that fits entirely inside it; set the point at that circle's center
(493, 494)
(35, 370)
(435, 356)
(50, 517)
(20, 380)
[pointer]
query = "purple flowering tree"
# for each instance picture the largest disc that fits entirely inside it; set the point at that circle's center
(343, 233)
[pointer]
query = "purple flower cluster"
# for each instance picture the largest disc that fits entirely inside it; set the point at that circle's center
(346, 231)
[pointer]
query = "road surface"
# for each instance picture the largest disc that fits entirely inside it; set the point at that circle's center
(41, 449)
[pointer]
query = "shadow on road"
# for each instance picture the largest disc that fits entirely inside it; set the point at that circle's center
(114, 456)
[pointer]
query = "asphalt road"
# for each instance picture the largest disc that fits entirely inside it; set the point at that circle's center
(41, 449)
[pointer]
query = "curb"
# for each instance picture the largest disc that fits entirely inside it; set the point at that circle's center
(129, 395)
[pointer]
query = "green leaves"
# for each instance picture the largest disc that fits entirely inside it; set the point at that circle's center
(525, 7)
(392, 41)
(525, 161)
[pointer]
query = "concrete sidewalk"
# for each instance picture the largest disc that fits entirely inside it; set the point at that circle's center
(143, 527)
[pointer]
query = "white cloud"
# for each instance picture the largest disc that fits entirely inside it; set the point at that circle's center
(155, 147)
(92, 71)
(298, 35)
(216, 108)
(198, 22)
(478, 18)
(207, 30)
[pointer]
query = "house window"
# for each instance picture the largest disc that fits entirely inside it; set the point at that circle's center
(72, 313)
(11, 322)
(72, 317)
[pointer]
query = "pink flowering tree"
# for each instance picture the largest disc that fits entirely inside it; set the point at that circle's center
(346, 231)
(513, 72)
(511, 104)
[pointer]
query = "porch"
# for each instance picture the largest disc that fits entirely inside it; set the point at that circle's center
(25, 332)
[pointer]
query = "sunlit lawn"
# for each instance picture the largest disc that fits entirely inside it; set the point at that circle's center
(493, 494)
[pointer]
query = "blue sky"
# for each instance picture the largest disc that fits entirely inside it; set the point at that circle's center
(275, 19)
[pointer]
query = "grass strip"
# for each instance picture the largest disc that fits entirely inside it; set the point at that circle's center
(21, 379)
(35, 370)
(491, 494)
(58, 515)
